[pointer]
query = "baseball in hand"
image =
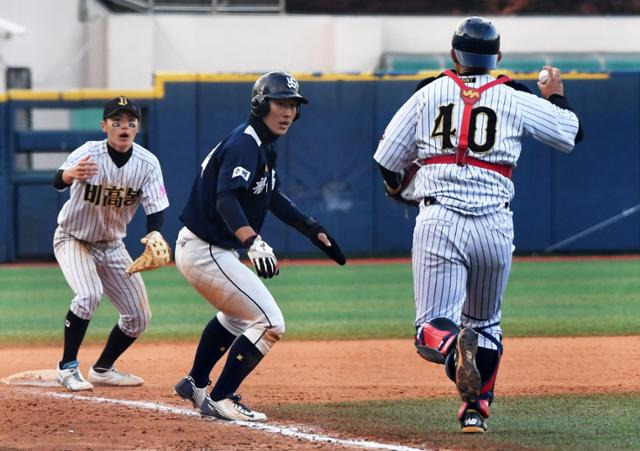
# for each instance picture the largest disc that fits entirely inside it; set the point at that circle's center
(543, 76)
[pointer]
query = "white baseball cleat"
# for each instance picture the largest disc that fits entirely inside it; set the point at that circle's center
(232, 409)
(70, 377)
(114, 378)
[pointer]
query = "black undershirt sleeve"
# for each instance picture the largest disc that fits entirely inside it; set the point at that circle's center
(58, 183)
(391, 178)
(230, 210)
(560, 101)
(285, 210)
(155, 221)
(424, 82)
(517, 85)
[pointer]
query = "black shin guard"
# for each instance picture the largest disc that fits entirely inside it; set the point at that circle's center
(487, 361)
(450, 366)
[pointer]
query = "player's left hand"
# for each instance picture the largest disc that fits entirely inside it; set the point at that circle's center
(406, 185)
(313, 230)
(156, 253)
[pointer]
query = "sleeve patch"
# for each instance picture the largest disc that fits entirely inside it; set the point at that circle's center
(239, 171)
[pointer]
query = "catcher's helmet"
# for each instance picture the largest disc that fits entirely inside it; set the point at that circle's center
(274, 85)
(476, 43)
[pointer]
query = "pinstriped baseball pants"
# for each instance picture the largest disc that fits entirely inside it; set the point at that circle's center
(461, 265)
(92, 269)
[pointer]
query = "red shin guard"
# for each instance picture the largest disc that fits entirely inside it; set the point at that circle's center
(435, 339)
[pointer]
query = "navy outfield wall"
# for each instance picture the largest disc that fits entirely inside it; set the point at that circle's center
(6, 208)
(325, 164)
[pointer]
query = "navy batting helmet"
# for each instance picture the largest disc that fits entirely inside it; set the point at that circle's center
(476, 43)
(274, 85)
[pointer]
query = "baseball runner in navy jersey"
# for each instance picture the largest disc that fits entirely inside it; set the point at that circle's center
(108, 180)
(465, 128)
(236, 187)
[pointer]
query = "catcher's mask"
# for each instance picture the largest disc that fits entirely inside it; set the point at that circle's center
(476, 43)
(274, 85)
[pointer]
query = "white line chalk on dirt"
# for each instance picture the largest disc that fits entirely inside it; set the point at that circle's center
(287, 431)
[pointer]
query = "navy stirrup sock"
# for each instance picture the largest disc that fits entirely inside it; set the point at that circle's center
(214, 342)
(242, 359)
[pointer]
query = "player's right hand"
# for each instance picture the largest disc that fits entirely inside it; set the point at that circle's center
(553, 85)
(83, 170)
(263, 258)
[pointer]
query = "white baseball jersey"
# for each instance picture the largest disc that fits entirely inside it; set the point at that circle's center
(427, 125)
(463, 241)
(91, 224)
(100, 208)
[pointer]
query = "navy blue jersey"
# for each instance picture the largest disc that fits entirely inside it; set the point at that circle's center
(244, 162)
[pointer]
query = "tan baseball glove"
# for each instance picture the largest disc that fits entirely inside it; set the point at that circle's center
(156, 253)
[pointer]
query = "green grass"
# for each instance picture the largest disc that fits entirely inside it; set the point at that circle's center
(590, 297)
(552, 298)
(548, 298)
(596, 422)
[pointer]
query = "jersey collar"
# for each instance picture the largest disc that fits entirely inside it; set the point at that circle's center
(472, 71)
(119, 158)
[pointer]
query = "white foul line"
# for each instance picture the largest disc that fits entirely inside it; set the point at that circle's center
(270, 428)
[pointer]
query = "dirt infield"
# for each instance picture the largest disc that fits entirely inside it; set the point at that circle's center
(297, 372)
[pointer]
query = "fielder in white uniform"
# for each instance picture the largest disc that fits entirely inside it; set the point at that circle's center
(109, 179)
(466, 128)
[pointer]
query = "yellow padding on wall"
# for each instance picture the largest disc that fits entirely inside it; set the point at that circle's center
(160, 78)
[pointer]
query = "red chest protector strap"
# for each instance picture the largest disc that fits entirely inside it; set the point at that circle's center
(469, 96)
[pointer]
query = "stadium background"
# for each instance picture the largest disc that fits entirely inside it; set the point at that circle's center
(347, 366)
(193, 71)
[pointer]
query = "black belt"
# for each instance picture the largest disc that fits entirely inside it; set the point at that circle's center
(430, 200)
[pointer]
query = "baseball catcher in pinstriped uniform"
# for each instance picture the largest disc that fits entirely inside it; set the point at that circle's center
(465, 128)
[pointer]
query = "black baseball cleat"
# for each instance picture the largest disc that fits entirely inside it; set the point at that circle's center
(468, 380)
(472, 422)
(188, 391)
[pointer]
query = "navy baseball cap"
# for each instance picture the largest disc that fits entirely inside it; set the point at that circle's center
(120, 103)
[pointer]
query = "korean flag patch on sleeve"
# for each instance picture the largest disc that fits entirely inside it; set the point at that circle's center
(239, 171)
